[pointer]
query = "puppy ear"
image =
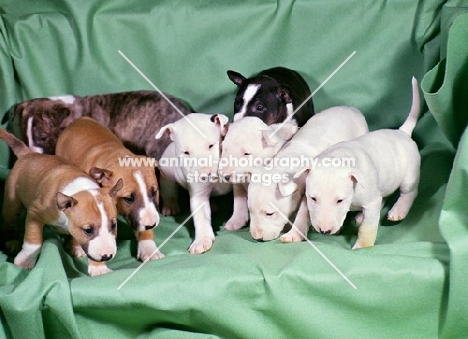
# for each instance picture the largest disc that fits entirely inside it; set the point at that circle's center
(358, 177)
(64, 201)
(118, 186)
(18, 110)
(66, 117)
(221, 121)
(283, 92)
(285, 131)
(286, 189)
(305, 170)
(236, 78)
(269, 139)
(100, 175)
(169, 128)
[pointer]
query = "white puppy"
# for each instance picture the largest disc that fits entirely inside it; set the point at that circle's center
(384, 161)
(191, 160)
(249, 144)
(276, 195)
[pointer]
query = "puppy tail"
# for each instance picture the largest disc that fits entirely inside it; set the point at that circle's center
(413, 116)
(18, 147)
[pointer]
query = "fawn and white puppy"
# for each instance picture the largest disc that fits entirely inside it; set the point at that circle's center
(385, 160)
(273, 200)
(195, 148)
(64, 197)
(87, 144)
(249, 145)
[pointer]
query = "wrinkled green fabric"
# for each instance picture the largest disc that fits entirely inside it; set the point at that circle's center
(411, 284)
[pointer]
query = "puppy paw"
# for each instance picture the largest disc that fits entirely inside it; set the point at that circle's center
(170, 207)
(77, 251)
(201, 245)
(147, 250)
(396, 213)
(234, 224)
(291, 236)
(362, 244)
(94, 270)
(25, 260)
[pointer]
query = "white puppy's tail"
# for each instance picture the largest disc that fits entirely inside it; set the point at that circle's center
(413, 116)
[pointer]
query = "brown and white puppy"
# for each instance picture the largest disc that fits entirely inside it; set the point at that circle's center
(87, 144)
(132, 116)
(62, 196)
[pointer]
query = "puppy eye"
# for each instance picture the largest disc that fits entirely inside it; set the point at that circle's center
(339, 201)
(237, 102)
(313, 199)
(153, 191)
(246, 153)
(89, 231)
(187, 153)
(113, 226)
(269, 214)
(211, 146)
(260, 108)
(129, 199)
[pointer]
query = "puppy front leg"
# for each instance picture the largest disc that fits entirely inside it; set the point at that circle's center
(204, 235)
(75, 249)
(401, 208)
(32, 244)
(301, 224)
(147, 249)
(370, 221)
(240, 215)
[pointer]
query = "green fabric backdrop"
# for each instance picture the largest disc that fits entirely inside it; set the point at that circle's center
(410, 285)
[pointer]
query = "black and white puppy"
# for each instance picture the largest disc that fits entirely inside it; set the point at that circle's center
(272, 95)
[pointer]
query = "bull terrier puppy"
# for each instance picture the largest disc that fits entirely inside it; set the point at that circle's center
(133, 116)
(272, 95)
(277, 185)
(87, 144)
(249, 145)
(64, 197)
(195, 148)
(385, 160)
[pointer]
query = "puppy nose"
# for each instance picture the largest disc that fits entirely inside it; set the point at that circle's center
(106, 257)
(150, 227)
(259, 239)
(325, 232)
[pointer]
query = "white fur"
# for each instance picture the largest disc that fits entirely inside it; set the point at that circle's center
(67, 99)
(32, 147)
(28, 256)
(148, 215)
(79, 184)
(321, 131)
(104, 243)
(385, 160)
(249, 94)
(147, 250)
(249, 135)
(186, 139)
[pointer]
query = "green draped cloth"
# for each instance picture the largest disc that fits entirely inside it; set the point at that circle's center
(412, 284)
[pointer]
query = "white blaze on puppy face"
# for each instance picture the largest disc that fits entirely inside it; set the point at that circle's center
(67, 99)
(249, 94)
(104, 243)
(148, 215)
(329, 194)
(29, 133)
